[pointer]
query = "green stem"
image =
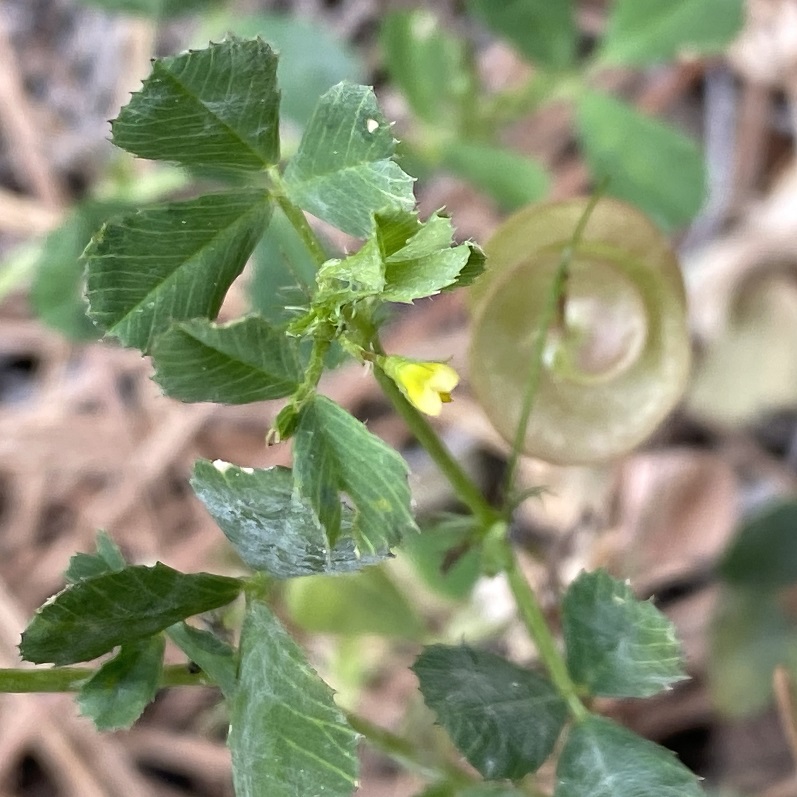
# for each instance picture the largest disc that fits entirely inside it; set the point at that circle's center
(463, 485)
(538, 628)
(553, 312)
(299, 222)
(70, 679)
(407, 754)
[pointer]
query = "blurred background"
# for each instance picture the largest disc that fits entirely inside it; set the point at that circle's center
(703, 516)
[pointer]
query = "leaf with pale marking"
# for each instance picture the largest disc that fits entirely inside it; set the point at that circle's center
(603, 759)
(343, 171)
(119, 691)
(270, 527)
(240, 362)
(95, 615)
(333, 453)
(212, 108)
(618, 646)
(503, 718)
(171, 263)
(287, 736)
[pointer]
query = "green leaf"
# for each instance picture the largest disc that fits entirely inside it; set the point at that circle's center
(646, 31)
(618, 646)
(333, 453)
(215, 108)
(490, 790)
(269, 526)
(432, 68)
(56, 294)
(119, 691)
(404, 260)
(215, 657)
(503, 718)
(542, 30)
(511, 179)
(240, 362)
(343, 171)
(287, 736)
(312, 58)
(171, 263)
(602, 759)
(751, 635)
(107, 559)
(442, 558)
(93, 616)
(154, 8)
(764, 552)
(647, 163)
(283, 273)
(419, 258)
(357, 604)
(473, 268)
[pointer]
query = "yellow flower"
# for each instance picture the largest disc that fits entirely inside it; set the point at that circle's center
(426, 385)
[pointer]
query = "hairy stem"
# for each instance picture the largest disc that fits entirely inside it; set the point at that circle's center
(464, 487)
(552, 313)
(299, 222)
(540, 632)
(407, 754)
(70, 679)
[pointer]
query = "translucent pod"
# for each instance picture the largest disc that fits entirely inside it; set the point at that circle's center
(617, 355)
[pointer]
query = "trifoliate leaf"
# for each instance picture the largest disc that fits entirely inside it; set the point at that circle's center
(212, 108)
(170, 263)
(603, 759)
(503, 718)
(119, 691)
(334, 453)
(617, 645)
(270, 527)
(240, 362)
(95, 615)
(343, 172)
(287, 736)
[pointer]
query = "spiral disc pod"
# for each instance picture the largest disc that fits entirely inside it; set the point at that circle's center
(617, 356)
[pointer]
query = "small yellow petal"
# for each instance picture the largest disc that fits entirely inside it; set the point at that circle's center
(427, 385)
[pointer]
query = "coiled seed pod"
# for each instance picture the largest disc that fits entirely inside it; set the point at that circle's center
(617, 355)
